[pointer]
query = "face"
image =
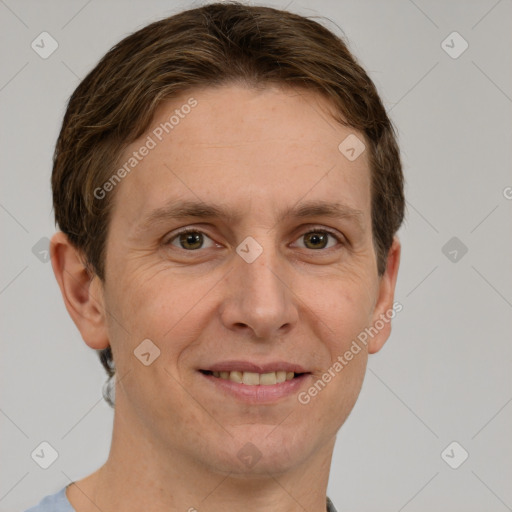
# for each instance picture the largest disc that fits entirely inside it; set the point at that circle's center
(267, 275)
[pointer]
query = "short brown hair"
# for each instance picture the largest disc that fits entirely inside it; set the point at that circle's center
(211, 46)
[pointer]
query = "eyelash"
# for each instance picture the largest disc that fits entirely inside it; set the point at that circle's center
(312, 230)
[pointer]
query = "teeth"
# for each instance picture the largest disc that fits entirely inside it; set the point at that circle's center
(268, 378)
(255, 379)
(236, 376)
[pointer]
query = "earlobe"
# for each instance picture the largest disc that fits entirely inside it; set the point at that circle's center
(81, 291)
(384, 308)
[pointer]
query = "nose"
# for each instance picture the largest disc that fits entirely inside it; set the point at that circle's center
(259, 300)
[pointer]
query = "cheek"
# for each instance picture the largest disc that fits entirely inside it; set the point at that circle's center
(344, 308)
(346, 386)
(159, 305)
(336, 387)
(344, 313)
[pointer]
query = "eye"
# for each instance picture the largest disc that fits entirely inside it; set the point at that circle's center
(189, 239)
(193, 239)
(319, 239)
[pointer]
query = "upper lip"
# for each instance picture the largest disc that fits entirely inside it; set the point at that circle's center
(247, 366)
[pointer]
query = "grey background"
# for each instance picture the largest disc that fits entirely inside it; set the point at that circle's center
(445, 373)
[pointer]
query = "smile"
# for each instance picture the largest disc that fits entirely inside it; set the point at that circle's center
(252, 378)
(255, 388)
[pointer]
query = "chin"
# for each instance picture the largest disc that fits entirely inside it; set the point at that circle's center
(262, 449)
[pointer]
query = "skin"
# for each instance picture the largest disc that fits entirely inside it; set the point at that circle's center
(176, 437)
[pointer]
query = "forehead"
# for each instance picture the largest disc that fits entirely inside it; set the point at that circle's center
(238, 145)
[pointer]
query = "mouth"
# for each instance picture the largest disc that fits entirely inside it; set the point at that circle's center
(255, 379)
(255, 385)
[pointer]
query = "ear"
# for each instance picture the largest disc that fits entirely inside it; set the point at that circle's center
(82, 291)
(384, 309)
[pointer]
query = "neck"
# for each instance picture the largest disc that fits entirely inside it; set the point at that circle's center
(140, 474)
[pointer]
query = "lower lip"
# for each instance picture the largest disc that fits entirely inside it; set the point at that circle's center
(260, 393)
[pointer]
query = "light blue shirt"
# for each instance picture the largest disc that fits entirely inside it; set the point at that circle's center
(59, 502)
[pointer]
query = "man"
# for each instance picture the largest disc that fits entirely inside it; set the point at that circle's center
(228, 188)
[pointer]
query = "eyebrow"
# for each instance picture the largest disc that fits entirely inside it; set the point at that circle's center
(187, 209)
